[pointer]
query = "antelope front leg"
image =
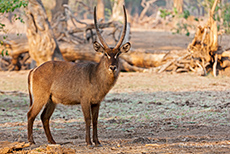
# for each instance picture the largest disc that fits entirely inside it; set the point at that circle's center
(86, 111)
(95, 111)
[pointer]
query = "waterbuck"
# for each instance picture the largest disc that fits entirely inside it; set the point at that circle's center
(69, 83)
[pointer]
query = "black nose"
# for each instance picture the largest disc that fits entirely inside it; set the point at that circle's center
(112, 67)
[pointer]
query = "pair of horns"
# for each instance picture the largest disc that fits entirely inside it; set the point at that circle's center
(99, 34)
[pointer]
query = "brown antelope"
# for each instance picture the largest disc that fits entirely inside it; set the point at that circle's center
(75, 83)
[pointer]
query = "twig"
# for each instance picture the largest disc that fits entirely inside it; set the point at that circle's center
(165, 66)
(182, 70)
(59, 19)
(72, 16)
(204, 70)
(215, 65)
(203, 37)
(213, 8)
(86, 6)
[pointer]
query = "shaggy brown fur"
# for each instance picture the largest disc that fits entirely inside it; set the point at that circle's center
(74, 83)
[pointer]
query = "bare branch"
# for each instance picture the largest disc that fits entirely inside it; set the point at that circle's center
(72, 16)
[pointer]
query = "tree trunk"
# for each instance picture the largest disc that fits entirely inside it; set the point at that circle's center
(205, 44)
(169, 4)
(178, 4)
(42, 43)
(100, 10)
(145, 4)
(58, 13)
(117, 12)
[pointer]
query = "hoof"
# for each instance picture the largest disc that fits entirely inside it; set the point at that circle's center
(98, 145)
(31, 142)
(90, 146)
(52, 142)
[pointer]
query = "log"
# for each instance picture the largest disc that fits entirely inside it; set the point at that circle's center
(165, 66)
(17, 46)
(134, 60)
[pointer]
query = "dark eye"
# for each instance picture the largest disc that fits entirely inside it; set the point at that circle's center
(107, 55)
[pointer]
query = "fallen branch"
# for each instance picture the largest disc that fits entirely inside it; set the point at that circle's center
(165, 66)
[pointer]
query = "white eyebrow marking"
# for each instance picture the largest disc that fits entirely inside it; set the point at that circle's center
(116, 55)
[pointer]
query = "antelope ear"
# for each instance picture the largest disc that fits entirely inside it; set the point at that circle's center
(98, 47)
(125, 48)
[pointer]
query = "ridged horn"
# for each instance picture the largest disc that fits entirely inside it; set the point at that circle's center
(98, 32)
(124, 30)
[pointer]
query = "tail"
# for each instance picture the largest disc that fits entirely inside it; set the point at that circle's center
(29, 88)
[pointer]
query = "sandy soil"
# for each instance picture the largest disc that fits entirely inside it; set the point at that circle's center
(143, 113)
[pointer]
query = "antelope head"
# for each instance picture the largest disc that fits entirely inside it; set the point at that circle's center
(111, 54)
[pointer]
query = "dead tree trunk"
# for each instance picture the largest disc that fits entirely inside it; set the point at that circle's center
(100, 6)
(58, 18)
(145, 4)
(204, 46)
(178, 4)
(42, 43)
(117, 10)
(169, 4)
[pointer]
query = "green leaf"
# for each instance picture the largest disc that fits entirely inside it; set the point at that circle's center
(175, 10)
(177, 31)
(186, 14)
(187, 34)
(2, 53)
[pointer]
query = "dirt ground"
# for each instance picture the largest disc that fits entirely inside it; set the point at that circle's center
(143, 113)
